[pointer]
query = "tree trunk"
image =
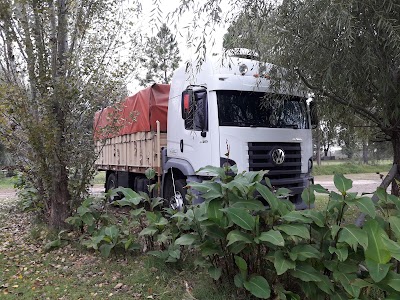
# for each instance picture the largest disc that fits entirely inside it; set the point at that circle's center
(318, 146)
(60, 208)
(365, 152)
(396, 160)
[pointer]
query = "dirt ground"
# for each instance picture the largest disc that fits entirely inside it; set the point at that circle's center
(362, 183)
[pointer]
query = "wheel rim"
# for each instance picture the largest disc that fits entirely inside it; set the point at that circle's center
(176, 201)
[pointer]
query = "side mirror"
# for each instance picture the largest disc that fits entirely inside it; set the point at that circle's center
(201, 114)
(313, 115)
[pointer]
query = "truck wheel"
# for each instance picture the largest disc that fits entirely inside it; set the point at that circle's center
(175, 200)
(112, 184)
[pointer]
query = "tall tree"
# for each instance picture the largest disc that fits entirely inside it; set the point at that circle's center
(160, 57)
(346, 51)
(59, 63)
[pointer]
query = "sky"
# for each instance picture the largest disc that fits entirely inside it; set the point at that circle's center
(184, 24)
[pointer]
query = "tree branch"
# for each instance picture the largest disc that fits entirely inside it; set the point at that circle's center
(358, 109)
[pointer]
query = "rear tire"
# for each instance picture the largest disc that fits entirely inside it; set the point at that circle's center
(112, 183)
(177, 200)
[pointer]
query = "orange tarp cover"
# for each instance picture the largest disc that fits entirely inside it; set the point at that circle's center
(136, 113)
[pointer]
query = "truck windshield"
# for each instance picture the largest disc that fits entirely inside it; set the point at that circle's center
(255, 109)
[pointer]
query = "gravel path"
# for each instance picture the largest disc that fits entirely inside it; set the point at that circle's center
(362, 183)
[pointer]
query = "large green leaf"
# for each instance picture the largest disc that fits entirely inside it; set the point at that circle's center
(237, 247)
(210, 190)
(148, 231)
(238, 236)
(255, 176)
(376, 249)
(150, 173)
(241, 218)
(381, 194)
(240, 183)
(341, 252)
(258, 286)
(392, 280)
(215, 273)
(153, 217)
(304, 252)
(250, 204)
(88, 219)
(296, 216)
(282, 264)
(347, 280)
(366, 205)
(295, 230)
(210, 248)
(268, 195)
(112, 232)
(376, 270)
(395, 200)
(316, 216)
(342, 183)
(213, 171)
(239, 280)
(83, 210)
(306, 273)
(162, 222)
(186, 240)
(394, 222)
(272, 236)
(131, 198)
(326, 285)
(319, 189)
(215, 232)
(105, 249)
(392, 246)
(241, 263)
(353, 236)
(214, 210)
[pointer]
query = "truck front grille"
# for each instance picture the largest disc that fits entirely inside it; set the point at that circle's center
(286, 174)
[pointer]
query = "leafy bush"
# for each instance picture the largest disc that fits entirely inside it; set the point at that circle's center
(27, 194)
(250, 234)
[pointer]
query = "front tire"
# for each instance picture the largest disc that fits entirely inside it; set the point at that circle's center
(175, 199)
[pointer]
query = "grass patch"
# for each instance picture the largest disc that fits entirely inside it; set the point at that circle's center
(72, 272)
(350, 168)
(6, 182)
(99, 178)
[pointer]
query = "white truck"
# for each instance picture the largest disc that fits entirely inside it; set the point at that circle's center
(220, 113)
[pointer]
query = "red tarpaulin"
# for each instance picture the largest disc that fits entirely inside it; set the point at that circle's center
(136, 113)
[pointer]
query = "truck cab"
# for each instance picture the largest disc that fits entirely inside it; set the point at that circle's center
(226, 111)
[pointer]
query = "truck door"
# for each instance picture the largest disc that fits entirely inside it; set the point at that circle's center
(195, 145)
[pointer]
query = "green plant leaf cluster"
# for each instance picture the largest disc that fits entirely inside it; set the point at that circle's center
(246, 233)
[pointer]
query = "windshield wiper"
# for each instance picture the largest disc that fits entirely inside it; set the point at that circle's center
(294, 126)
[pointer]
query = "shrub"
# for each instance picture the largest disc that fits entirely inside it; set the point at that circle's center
(250, 234)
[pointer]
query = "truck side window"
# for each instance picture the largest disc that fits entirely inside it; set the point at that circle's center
(195, 110)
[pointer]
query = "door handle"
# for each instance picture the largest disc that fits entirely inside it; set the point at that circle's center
(181, 145)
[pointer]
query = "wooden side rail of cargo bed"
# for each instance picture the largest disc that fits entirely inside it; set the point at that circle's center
(134, 152)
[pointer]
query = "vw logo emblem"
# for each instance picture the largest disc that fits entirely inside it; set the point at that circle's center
(278, 156)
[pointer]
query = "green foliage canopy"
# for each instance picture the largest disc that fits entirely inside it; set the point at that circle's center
(60, 62)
